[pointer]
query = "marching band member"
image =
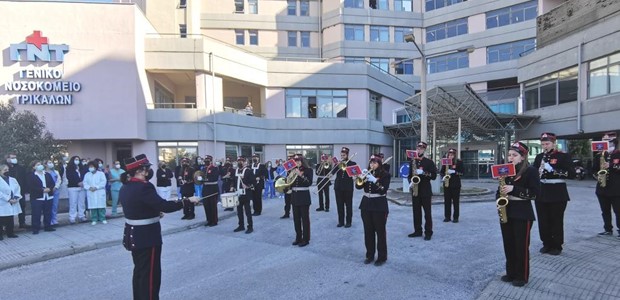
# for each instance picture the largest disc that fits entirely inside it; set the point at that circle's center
(259, 172)
(609, 195)
(554, 167)
(245, 183)
(386, 167)
(427, 171)
(452, 193)
(287, 196)
(186, 179)
(227, 172)
(521, 189)
(142, 234)
(343, 186)
(210, 189)
(300, 199)
(374, 210)
(322, 171)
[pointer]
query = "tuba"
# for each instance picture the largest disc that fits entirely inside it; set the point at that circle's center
(415, 180)
(602, 173)
(284, 183)
(502, 202)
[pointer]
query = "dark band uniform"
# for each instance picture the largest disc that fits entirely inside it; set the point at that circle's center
(142, 233)
(516, 232)
(452, 193)
(553, 197)
(323, 181)
(287, 198)
(211, 189)
(300, 200)
(423, 199)
(343, 187)
(374, 211)
(260, 172)
(247, 178)
(609, 196)
(187, 190)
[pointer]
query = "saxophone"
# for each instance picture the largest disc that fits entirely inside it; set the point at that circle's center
(446, 178)
(502, 202)
(415, 180)
(602, 173)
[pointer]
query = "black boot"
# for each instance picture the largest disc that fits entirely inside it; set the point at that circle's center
(240, 228)
(249, 230)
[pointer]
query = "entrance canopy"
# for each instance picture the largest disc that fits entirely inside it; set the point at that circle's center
(446, 104)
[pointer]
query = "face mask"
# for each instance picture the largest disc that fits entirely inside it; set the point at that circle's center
(218, 163)
(255, 160)
(208, 162)
(199, 178)
(100, 166)
(50, 165)
(118, 166)
(149, 174)
(163, 166)
(76, 162)
(200, 162)
(65, 159)
(269, 164)
(91, 169)
(39, 168)
(84, 162)
(14, 160)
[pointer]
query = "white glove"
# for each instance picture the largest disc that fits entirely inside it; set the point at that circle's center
(194, 199)
(451, 171)
(548, 167)
(371, 178)
(419, 171)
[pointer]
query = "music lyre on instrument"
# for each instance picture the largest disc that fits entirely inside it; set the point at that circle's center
(501, 172)
(446, 178)
(601, 175)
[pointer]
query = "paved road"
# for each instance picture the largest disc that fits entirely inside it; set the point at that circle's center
(462, 261)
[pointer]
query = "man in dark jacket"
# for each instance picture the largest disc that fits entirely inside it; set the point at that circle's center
(19, 173)
(343, 187)
(142, 235)
(425, 170)
(608, 194)
(452, 187)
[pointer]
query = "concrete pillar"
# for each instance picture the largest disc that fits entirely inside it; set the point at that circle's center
(209, 92)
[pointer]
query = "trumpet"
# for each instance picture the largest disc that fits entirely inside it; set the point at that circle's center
(361, 179)
(502, 202)
(602, 173)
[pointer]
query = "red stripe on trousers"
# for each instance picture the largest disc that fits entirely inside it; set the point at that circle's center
(526, 268)
(151, 273)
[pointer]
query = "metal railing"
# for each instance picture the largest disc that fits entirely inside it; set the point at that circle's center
(176, 105)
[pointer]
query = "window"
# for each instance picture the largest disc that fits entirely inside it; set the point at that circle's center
(374, 109)
(504, 107)
(304, 7)
(240, 36)
(446, 30)
(182, 3)
(405, 67)
(292, 38)
(292, 7)
(253, 37)
(448, 62)
(379, 34)
(239, 6)
(305, 39)
(403, 5)
(306, 103)
(354, 32)
(312, 153)
(402, 116)
(382, 64)
(553, 89)
(183, 30)
(379, 4)
(509, 51)
(173, 152)
(163, 97)
(604, 76)
(253, 6)
(400, 32)
(512, 15)
(436, 4)
(354, 3)
(354, 60)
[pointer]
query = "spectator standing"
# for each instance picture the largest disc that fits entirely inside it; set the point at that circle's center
(10, 193)
(50, 168)
(19, 173)
(41, 186)
(75, 187)
(94, 184)
(115, 184)
(164, 181)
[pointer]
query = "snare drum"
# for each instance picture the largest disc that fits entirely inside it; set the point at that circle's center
(230, 200)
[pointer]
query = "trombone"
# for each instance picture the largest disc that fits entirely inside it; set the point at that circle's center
(342, 165)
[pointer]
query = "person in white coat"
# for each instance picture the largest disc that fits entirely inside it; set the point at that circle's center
(10, 193)
(94, 184)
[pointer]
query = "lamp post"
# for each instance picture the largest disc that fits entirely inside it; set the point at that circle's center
(410, 38)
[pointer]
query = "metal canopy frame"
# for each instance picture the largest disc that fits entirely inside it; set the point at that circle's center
(447, 103)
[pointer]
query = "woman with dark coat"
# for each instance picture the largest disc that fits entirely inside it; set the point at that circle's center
(300, 200)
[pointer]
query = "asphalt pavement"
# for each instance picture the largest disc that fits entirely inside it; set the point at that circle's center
(462, 261)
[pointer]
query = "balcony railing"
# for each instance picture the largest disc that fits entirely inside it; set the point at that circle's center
(244, 111)
(176, 105)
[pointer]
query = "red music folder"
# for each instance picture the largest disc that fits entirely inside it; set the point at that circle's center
(446, 161)
(411, 154)
(503, 170)
(600, 146)
(354, 171)
(290, 164)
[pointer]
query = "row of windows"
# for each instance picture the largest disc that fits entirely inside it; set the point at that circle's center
(512, 15)
(403, 67)
(304, 39)
(252, 6)
(553, 89)
(509, 51)
(377, 33)
(240, 37)
(448, 62)
(437, 4)
(604, 76)
(304, 7)
(307, 103)
(446, 30)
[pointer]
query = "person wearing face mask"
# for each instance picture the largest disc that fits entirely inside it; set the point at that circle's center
(142, 234)
(187, 189)
(41, 186)
(244, 183)
(18, 172)
(343, 188)
(452, 193)
(77, 194)
(178, 174)
(10, 193)
(227, 173)
(199, 164)
(301, 200)
(211, 191)
(164, 180)
(521, 190)
(51, 169)
(94, 184)
(270, 189)
(115, 185)
(609, 195)
(259, 172)
(427, 171)
(554, 168)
